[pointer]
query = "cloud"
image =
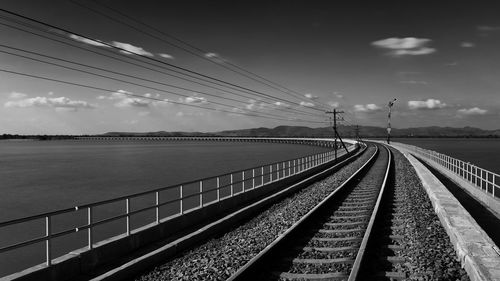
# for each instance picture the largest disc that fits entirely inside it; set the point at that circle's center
(254, 105)
(167, 56)
(488, 28)
(371, 107)
(16, 95)
(333, 104)
(123, 99)
(130, 49)
(281, 104)
(414, 82)
(427, 104)
(405, 46)
(472, 111)
(338, 95)
(467, 45)
(211, 55)
(311, 96)
(453, 63)
(97, 43)
(306, 104)
(57, 103)
(193, 100)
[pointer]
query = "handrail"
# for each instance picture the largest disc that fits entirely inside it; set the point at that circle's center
(138, 194)
(265, 175)
(477, 176)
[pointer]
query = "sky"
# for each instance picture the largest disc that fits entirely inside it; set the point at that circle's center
(140, 66)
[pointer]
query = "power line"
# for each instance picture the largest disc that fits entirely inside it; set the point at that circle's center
(265, 81)
(113, 78)
(149, 98)
(139, 65)
(131, 83)
(142, 66)
(128, 51)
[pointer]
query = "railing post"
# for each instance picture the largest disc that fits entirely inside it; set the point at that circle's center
(127, 210)
(232, 189)
(277, 171)
(48, 251)
(157, 199)
(90, 239)
(243, 181)
(271, 173)
(218, 189)
(493, 191)
(201, 193)
(253, 178)
(289, 168)
(283, 170)
(262, 175)
(181, 195)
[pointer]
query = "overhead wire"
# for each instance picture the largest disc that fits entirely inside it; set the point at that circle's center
(135, 53)
(150, 98)
(223, 64)
(113, 78)
(128, 62)
(135, 64)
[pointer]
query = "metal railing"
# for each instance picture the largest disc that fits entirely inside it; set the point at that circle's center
(163, 203)
(479, 177)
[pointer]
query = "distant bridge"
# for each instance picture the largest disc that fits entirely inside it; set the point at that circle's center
(324, 142)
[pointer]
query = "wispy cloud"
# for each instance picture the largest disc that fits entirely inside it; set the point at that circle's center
(338, 95)
(307, 104)
(311, 96)
(16, 95)
(371, 107)
(211, 55)
(467, 45)
(334, 104)
(166, 56)
(414, 82)
(194, 100)
(130, 49)
(488, 28)
(405, 46)
(97, 43)
(255, 105)
(427, 104)
(472, 111)
(124, 100)
(57, 103)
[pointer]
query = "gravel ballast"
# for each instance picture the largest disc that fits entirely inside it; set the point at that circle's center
(222, 256)
(427, 249)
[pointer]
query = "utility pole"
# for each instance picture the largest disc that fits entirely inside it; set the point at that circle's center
(390, 105)
(356, 130)
(336, 134)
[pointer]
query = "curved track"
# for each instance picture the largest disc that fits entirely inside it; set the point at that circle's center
(329, 242)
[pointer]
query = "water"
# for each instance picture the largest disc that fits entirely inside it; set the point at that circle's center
(484, 153)
(42, 176)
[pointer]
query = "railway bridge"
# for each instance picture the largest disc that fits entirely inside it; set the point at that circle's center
(360, 212)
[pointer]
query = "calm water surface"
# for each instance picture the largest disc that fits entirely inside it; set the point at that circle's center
(484, 153)
(40, 176)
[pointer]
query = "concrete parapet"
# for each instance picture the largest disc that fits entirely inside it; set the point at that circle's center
(477, 252)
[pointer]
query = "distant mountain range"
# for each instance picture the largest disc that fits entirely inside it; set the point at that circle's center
(345, 131)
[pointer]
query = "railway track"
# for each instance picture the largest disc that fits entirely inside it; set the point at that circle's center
(330, 241)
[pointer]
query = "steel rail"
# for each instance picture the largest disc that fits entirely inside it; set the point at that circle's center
(362, 249)
(250, 269)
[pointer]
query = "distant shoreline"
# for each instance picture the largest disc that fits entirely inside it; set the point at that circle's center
(74, 137)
